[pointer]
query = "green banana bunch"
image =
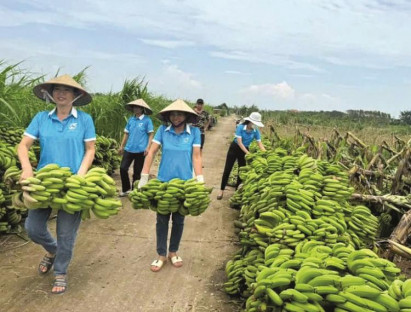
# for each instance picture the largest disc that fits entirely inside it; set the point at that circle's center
(185, 197)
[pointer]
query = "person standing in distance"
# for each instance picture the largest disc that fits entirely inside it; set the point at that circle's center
(136, 142)
(67, 138)
(202, 122)
(180, 154)
(245, 133)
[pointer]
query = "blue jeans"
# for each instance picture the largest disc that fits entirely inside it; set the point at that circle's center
(67, 226)
(162, 232)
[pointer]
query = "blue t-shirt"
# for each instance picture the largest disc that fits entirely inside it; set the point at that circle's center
(138, 130)
(177, 152)
(246, 136)
(62, 142)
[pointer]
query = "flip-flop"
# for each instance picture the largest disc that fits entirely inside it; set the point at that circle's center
(219, 197)
(176, 261)
(59, 282)
(157, 264)
(46, 262)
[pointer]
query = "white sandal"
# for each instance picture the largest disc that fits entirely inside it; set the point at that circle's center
(157, 264)
(175, 260)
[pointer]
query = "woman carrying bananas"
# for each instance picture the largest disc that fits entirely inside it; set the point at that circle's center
(245, 133)
(67, 138)
(137, 138)
(180, 146)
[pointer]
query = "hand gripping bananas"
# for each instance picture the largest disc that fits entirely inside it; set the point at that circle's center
(186, 197)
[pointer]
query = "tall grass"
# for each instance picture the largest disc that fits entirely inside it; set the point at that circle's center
(18, 104)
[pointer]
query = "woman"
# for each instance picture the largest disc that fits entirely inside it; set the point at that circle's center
(180, 144)
(67, 138)
(245, 133)
(137, 138)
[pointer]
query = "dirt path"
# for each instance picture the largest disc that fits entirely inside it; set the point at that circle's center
(110, 269)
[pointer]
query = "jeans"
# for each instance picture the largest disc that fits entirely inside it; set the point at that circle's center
(126, 161)
(234, 153)
(67, 227)
(162, 232)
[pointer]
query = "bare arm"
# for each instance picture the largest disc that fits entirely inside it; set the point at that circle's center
(148, 161)
(123, 143)
(150, 139)
(23, 154)
(197, 161)
(88, 157)
(261, 145)
(241, 145)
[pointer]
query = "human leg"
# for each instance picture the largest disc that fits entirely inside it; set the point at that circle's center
(124, 166)
(137, 166)
(229, 163)
(176, 234)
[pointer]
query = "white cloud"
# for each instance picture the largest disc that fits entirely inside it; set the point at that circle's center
(280, 90)
(235, 72)
(181, 77)
(169, 44)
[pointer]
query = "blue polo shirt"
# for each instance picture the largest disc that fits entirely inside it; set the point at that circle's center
(138, 130)
(177, 152)
(62, 142)
(246, 136)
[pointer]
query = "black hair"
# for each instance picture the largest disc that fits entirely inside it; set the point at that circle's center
(246, 122)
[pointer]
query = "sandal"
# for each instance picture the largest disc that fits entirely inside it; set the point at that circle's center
(59, 282)
(156, 265)
(47, 263)
(176, 261)
(219, 197)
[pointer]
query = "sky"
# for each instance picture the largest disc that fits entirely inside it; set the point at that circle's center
(277, 55)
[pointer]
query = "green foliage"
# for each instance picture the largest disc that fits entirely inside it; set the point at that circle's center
(405, 117)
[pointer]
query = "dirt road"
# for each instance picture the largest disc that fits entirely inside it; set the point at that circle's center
(110, 269)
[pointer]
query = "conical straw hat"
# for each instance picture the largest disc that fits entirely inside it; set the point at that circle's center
(181, 106)
(141, 103)
(64, 80)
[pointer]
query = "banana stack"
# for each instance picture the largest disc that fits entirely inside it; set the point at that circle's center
(186, 197)
(56, 187)
(107, 154)
(196, 197)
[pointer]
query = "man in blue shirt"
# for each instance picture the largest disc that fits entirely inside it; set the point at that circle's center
(67, 138)
(136, 142)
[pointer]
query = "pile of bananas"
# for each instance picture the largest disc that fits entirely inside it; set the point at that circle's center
(107, 154)
(56, 187)
(186, 197)
(11, 135)
(303, 243)
(317, 277)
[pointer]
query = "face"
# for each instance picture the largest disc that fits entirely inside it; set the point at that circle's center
(199, 106)
(138, 110)
(177, 117)
(63, 95)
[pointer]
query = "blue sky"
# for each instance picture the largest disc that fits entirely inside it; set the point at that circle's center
(305, 55)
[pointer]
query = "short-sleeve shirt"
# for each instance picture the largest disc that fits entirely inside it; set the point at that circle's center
(62, 142)
(201, 121)
(246, 136)
(138, 129)
(177, 152)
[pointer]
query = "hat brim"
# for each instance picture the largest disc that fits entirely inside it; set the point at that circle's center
(146, 110)
(165, 117)
(83, 100)
(257, 123)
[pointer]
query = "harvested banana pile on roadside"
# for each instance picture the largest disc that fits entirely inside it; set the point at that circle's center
(56, 187)
(185, 197)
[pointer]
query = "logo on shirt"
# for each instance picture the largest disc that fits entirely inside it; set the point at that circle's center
(140, 124)
(185, 140)
(73, 126)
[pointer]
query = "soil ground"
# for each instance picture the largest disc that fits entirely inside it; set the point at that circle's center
(110, 270)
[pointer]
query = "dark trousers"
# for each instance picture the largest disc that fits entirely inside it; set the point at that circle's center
(234, 153)
(162, 232)
(128, 158)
